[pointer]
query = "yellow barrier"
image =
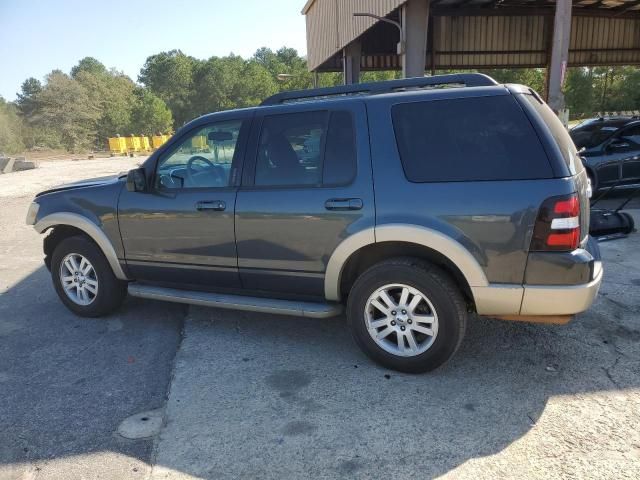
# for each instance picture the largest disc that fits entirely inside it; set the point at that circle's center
(117, 145)
(144, 144)
(133, 144)
(158, 140)
(199, 143)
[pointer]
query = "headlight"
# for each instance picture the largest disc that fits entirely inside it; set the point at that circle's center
(32, 213)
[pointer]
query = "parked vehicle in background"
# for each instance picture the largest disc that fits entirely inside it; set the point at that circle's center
(407, 204)
(610, 147)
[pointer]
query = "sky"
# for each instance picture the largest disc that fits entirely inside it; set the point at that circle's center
(37, 36)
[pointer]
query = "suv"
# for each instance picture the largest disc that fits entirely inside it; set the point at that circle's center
(426, 199)
(610, 147)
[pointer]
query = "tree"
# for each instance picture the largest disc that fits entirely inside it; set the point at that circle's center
(10, 129)
(26, 101)
(150, 114)
(578, 91)
(65, 110)
(88, 65)
(169, 75)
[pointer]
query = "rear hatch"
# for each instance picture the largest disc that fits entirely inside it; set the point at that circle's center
(569, 154)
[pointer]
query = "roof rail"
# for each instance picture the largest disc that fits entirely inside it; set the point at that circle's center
(388, 86)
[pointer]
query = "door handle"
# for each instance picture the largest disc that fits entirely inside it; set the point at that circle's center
(217, 205)
(343, 204)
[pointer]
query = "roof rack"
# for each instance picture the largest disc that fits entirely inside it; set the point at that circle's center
(388, 86)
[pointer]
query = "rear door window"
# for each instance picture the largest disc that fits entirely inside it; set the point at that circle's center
(470, 139)
(314, 148)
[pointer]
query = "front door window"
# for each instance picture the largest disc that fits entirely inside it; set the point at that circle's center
(204, 159)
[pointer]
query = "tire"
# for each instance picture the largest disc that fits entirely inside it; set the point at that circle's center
(109, 291)
(442, 301)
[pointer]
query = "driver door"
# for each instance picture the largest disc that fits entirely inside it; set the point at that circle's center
(181, 232)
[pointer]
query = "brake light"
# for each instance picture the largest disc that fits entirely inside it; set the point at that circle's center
(557, 227)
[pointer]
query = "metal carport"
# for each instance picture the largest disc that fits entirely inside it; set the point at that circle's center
(472, 34)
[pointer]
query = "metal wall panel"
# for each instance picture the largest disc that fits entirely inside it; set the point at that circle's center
(331, 25)
(484, 41)
(523, 41)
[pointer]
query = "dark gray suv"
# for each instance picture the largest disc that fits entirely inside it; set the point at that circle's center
(411, 203)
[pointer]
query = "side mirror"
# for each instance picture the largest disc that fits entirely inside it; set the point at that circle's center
(136, 180)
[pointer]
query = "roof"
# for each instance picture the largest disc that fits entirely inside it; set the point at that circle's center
(475, 33)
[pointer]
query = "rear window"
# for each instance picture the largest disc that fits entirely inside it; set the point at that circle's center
(468, 139)
(559, 133)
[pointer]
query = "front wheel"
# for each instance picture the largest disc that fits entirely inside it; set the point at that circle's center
(407, 315)
(83, 278)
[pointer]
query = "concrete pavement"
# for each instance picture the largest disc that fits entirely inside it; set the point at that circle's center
(260, 396)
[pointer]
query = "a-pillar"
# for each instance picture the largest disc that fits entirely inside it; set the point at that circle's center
(351, 56)
(559, 54)
(415, 19)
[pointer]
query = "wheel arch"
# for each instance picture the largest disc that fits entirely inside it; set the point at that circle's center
(365, 248)
(71, 224)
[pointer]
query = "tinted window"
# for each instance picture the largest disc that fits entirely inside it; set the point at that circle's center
(340, 153)
(485, 138)
(202, 159)
(592, 134)
(559, 133)
(631, 135)
(309, 148)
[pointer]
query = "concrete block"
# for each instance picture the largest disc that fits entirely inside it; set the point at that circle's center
(3, 163)
(22, 164)
(8, 168)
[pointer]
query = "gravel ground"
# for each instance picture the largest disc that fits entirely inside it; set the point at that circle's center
(260, 396)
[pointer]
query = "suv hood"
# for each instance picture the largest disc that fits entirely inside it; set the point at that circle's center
(92, 182)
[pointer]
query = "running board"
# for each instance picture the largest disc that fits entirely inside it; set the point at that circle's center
(236, 302)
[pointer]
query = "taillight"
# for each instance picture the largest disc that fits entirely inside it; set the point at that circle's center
(558, 225)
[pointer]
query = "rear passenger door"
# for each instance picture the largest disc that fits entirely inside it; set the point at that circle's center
(306, 187)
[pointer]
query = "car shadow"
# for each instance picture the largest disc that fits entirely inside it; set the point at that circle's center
(281, 397)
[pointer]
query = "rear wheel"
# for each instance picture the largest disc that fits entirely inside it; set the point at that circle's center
(83, 278)
(407, 315)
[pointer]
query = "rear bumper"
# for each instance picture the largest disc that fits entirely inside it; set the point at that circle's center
(561, 299)
(556, 284)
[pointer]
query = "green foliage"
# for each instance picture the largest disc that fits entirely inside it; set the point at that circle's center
(10, 129)
(65, 107)
(79, 111)
(150, 115)
(88, 65)
(169, 75)
(26, 99)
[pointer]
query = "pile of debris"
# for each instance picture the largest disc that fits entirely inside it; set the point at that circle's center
(8, 165)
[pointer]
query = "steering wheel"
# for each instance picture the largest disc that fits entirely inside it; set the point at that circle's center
(192, 173)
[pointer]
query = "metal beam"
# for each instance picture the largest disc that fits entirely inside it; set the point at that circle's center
(351, 58)
(559, 54)
(415, 15)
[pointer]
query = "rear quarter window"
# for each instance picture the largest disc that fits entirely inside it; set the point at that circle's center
(468, 139)
(558, 131)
